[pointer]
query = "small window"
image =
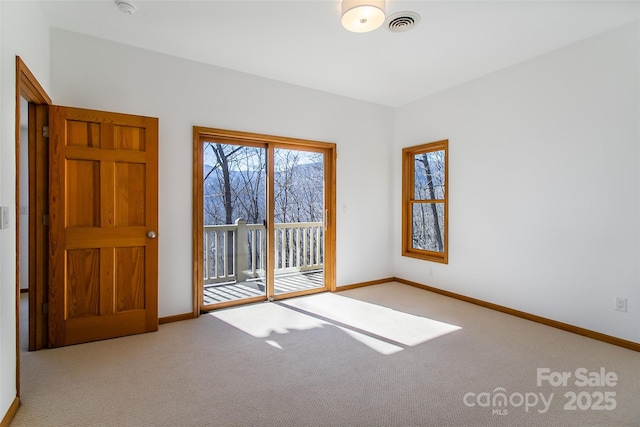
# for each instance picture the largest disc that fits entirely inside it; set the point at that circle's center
(424, 202)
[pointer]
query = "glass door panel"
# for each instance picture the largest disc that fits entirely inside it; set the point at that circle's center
(234, 212)
(298, 212)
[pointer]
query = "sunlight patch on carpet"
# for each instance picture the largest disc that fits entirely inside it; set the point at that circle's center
(393, 325)
(380, 328)
(266, 320)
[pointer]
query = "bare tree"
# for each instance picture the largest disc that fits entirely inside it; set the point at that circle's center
(224, 155)
(235, 187)
(250, 188)
(430, 187)
(224, 158)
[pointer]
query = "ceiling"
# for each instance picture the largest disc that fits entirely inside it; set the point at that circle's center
(302, 41)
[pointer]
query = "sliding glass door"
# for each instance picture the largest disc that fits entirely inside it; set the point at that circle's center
(266, 224)
(298, 213)
(234, 214)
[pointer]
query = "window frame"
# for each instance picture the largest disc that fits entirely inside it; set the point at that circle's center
(408, 201)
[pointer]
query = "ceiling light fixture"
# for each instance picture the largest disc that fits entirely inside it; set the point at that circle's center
(361, 16)
(126, 7)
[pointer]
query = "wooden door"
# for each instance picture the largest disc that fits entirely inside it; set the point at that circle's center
(103, 223)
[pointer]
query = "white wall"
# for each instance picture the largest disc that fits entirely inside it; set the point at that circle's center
(24, 32)
(92, 73)
(544, 184)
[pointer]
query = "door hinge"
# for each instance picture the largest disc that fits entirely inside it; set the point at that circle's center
(45, 220)
(45, 131)
(45, 308)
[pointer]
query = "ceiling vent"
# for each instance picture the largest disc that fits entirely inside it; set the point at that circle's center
(402, 21)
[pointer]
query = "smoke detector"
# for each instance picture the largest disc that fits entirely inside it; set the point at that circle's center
(126, 7)
(402, 21)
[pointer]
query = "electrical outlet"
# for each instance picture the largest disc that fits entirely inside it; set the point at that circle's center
(4, 217)
(621, 304)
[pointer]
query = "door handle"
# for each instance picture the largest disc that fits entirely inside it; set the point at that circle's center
(151, 234)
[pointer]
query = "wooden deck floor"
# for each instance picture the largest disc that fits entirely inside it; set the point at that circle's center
(215, 294)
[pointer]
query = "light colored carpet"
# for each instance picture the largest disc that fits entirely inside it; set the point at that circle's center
(384, 355)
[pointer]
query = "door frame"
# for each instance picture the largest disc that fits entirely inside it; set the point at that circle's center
(238, 137)
(28, 87)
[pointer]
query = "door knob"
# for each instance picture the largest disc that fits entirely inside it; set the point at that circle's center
(151, 234)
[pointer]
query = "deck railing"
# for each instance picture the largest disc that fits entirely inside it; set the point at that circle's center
(237, 252)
